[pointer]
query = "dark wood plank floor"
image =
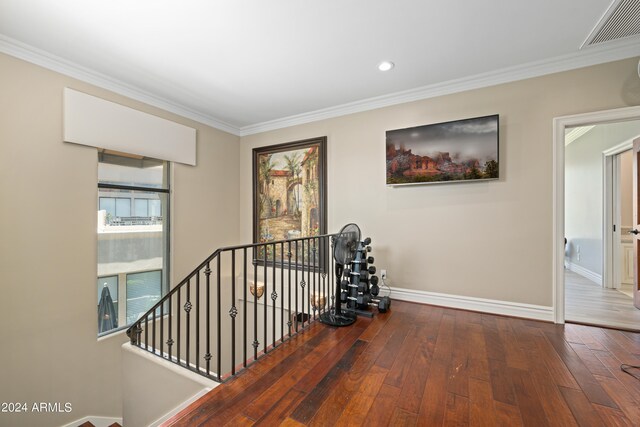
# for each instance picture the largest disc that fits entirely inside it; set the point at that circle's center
(430, 366)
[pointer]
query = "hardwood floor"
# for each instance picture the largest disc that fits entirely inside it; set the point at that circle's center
(420, 365)
(589, 303)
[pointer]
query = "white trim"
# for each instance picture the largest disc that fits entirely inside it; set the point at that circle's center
(609, 183)
(506, 308)
(620, 148)
(96, 421)
(594, 55)
(179, 408)
(152, 355)
(55, 63)
(611, 214)
(585, 272)
(616, 236)
(559, 126)
(576, 133)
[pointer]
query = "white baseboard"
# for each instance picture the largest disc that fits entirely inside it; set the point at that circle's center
(587, 274)
(506, 308)
(179, 408)
(96, 421)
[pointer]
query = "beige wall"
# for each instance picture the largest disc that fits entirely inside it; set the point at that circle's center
(48, 319)
(490, 239)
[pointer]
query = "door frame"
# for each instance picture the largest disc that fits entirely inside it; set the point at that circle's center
(611, 273)
(559, 126)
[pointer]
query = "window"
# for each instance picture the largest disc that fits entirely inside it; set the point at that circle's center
(143, 291)
(141, 207)
(133, 238)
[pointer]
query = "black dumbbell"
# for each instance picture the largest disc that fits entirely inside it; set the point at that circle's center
(343, 296)
(367, 241)
(372, 269)
(373, 280)
(384, 304)
(370, 260)
(347, 272)
(344, 284)
(363, 299)
(375, 290)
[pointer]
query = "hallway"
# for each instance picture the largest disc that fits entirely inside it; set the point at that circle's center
(586, 302)
(421, 365)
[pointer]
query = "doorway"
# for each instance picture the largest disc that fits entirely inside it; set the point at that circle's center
(589, 269)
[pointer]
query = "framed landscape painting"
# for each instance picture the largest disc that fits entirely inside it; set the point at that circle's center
(458, 151)
(289, 194)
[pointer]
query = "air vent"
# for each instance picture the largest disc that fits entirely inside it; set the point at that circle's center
(621, 20)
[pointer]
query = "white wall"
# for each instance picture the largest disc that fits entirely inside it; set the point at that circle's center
(489, 240)
(584, 191)
(158, 389)
(48, 193)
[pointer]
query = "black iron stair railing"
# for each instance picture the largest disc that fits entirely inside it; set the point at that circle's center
(272, 289)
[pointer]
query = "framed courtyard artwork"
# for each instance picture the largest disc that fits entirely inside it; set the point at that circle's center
(289, 195)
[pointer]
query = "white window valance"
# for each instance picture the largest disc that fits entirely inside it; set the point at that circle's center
(95, 122)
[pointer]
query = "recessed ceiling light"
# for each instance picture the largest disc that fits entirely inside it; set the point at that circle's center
(385, 65)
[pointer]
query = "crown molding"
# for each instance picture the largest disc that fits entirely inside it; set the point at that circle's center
(60, 65)
(612, 51)
(594, 55)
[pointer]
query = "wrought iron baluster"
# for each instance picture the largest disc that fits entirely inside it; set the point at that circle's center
(207, 356)
(302, 285)
(153, 332)
(289, 255)
(146, 328)
(179, 315)
(198, 321)
(169, 327)
(315, 272)
(282, 292)
(266, 277)
(274, 296)
(255, 344)
(187, 309)
(295, 313)
(308, 283)
(244, 309)
(162, 330)
(233, 312)
(218, 348)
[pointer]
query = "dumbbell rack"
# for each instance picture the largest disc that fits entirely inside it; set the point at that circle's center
(359, 287)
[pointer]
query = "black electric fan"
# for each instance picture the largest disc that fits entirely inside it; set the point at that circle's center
(344, 249)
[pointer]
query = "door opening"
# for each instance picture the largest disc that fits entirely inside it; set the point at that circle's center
(593, 249)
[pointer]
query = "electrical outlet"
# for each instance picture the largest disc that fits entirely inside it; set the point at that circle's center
(383, 274)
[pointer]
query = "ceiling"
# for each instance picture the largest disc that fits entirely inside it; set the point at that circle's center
(252, 65)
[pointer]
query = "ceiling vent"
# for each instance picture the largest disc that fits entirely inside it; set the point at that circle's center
(621, 20)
